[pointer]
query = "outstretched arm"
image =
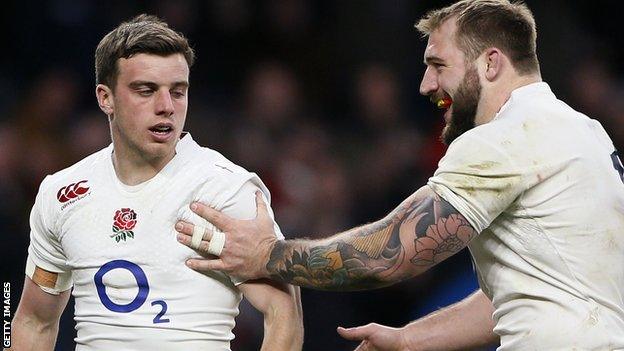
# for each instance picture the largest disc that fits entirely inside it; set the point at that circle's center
(421, 232)
(465, 325)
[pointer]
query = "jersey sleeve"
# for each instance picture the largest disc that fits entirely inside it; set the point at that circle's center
(235, 196)
(479, 179)
(241, 204)
(45, 250)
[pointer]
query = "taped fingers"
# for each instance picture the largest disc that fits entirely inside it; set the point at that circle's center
(202, 239)
(198, 235)
(216, 243)
(198, 238)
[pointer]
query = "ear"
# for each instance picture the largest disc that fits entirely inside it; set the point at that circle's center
(494, 61)
(105, 99)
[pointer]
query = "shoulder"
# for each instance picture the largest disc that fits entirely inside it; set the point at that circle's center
(480, 148)
(533, 129)
(218, 164)
(212, 165)
(221, 178)
(203, 159)
(530, 122)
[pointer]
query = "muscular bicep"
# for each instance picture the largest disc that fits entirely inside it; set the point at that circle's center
(421, 232)
(430, 229)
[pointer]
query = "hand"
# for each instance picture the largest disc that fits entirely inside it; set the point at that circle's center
(375, 337)
(248, 243)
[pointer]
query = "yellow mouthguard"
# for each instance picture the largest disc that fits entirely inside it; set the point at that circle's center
(444, 103)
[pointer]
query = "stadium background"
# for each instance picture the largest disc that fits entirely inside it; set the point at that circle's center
(320, 98)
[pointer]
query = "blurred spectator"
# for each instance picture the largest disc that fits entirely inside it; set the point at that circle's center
(271, 107)
(599, 94)
(384, 145)
(42, 120)
(315, 198)
(90, 133)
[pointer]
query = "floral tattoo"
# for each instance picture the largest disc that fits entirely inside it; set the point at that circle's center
(421, 232)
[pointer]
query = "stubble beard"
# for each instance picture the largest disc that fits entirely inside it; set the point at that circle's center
(465, 104)
(137, 149)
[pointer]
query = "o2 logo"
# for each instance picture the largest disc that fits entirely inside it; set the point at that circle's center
(138, 300)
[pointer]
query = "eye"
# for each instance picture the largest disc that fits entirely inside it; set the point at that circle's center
(145, 92)
(438, 66)
(177, 94)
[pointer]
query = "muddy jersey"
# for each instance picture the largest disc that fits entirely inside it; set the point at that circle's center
(542, 184)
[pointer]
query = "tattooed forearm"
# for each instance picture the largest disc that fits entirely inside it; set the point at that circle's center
(421, 232)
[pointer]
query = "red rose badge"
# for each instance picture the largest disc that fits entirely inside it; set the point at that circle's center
(123, 223)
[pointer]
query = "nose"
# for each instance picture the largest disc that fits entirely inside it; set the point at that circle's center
(164, 103)
(429, 83)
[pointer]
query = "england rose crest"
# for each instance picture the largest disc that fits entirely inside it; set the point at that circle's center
(123, 223)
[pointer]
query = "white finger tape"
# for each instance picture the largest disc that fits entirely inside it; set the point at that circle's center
(217, 242)
(198, 235)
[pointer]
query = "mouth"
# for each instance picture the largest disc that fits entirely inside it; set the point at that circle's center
(444, 103)
(162, 128)
(162, 131)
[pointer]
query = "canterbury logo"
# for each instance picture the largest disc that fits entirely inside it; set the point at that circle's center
(72, 191)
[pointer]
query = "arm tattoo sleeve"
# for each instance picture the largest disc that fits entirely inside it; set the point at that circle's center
(421, 232)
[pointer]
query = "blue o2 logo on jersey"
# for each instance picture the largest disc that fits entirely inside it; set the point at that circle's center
(139, 299)
(138, 274)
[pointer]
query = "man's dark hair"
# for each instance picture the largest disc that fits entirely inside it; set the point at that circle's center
(144, 34)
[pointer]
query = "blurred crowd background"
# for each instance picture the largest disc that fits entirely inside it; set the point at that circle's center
(320, 98)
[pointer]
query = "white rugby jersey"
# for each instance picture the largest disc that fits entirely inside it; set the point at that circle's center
(543, 186)
(131, 286)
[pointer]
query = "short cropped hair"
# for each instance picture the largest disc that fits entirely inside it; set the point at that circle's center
(144, 34)
(482, 24)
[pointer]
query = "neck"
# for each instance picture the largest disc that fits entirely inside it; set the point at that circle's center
(494, 98)
(133, 168)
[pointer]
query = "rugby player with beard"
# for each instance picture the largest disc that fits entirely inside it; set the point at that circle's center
(531, 186)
